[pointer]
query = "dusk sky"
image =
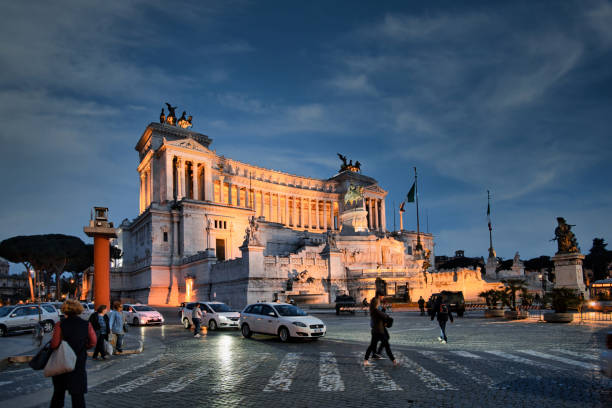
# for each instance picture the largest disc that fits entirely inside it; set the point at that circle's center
(513, 97)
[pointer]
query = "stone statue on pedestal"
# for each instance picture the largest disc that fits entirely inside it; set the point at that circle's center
(252, 233)
(566, 240)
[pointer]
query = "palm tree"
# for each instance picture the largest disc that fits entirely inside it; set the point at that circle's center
(513, 286)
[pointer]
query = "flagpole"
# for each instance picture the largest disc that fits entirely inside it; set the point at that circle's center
(419, 247)
(491, 253)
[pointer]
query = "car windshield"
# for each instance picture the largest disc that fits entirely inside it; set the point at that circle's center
(289, 310)
(220, 307)
(5, 310)
(144, 309)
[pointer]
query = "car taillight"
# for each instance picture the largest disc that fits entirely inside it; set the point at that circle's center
(609, 340)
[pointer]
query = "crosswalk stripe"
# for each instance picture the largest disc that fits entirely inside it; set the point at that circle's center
(479, 379)
(467, 354)
(430, 380)
(184, 381)
(140, 381)
(576, 354)
(283, 376)
(379, 379)
(228, 380)
(329, 375)
(565, 360)
(522, 360)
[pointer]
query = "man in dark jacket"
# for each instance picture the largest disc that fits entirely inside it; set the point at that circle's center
(441, 310)
(100, 323)
(421, 303)
(378, 332)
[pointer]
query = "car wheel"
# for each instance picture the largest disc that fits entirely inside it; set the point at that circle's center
(135, 322)
(246, 331)
(186, 323)
(212, 325)
(48, 326)
(3, 331)
(283, 334)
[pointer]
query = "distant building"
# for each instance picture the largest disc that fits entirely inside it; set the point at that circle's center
(12, 287)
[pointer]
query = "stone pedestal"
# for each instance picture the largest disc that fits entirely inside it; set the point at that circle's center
(491, 268)
(354, 221)
(568, 272)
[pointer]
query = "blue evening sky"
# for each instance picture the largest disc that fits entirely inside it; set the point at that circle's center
(514, 97)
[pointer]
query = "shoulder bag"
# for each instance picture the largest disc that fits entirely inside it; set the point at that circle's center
(39, 361)
(62, 360)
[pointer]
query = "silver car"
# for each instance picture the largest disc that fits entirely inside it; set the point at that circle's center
(215, 315)
(20, 318)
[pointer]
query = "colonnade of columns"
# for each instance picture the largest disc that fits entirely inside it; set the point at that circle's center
(190, 179)
(376, 213)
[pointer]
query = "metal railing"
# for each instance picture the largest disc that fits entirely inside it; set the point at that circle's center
(594, 315)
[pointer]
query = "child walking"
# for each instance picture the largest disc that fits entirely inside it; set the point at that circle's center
(442, 311)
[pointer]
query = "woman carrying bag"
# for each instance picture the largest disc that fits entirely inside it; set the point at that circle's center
(100, 323)
(80, 336)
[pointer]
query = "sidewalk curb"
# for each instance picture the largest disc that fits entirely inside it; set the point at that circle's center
(21, 359)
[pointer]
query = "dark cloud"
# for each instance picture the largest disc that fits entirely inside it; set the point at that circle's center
(514, 98)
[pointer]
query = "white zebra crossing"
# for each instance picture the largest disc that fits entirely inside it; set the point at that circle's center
(329, 374)
(461, 369)
(140, 381)
(184, 381)
(378, 377)
(283, 376)
(521, 360)
(576, 354)
(467, 354)
(431, 380)
(565, 360)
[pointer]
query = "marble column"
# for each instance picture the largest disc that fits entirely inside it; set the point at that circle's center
(286, 210)
(230, 196)
(238, 192)
(254, 203)
(180, 178)
(383, 216)
(221, 188)
(208, 184)
(270, 212)
(325, 215)
(262, 203)
(309, 206)
(196, 184)
(149, 186)
(376, 226)
(142, 193)
(317, 214)
(279, 217)
(294, 215)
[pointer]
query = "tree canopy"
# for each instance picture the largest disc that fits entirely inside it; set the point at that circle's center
(598, 259)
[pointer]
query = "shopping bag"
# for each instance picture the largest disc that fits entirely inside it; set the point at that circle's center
(62, 360)
(108, 348)
(39, 361)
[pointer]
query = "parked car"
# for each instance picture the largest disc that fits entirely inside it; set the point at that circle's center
(215, 315)
(88, 309)
(345, 303)
(141, 315)
(454, 301)
(281, 319)
(599, 306)
(19, 318)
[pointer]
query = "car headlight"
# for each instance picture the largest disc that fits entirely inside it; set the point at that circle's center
(592, 303)
(299, 324)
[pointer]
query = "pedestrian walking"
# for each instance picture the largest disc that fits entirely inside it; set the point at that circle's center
(378, 332)
(99, 322)
(443, 313)
(81, 336)
(117, 324)
(421, 303)
(196, 318)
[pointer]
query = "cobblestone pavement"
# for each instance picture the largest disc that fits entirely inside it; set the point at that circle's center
(486, 364)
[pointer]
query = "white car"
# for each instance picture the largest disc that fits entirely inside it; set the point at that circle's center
(19, 318)
(88, 309)
(215, 315)
(141, 315)
(281, 319)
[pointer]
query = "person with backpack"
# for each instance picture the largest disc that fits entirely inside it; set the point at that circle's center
(378, 332)
(441, 310)
(100, 324)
